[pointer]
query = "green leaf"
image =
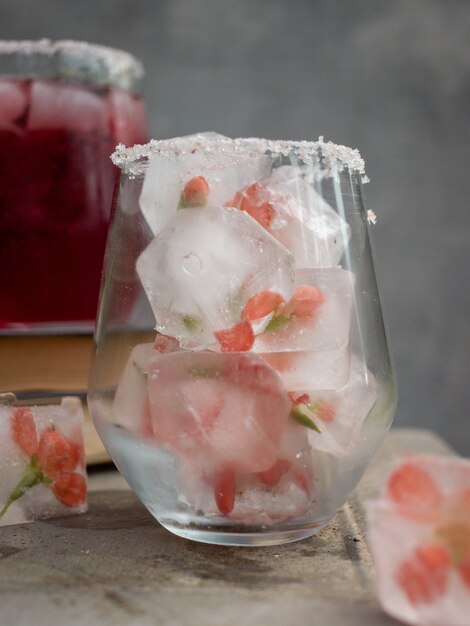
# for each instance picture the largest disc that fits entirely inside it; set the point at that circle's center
(304, 420)
(191, 204)
(182, 204)
(193, 324)
(32, 476)
(277, 322)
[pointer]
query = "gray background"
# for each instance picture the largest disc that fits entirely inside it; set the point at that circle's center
(391, 77)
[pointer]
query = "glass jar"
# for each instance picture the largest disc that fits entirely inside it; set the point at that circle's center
(63, 108)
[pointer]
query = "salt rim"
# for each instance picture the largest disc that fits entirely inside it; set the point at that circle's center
(327, 155)
(116, 66)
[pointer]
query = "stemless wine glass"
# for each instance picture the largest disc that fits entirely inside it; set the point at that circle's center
(242, 380)
(63, 108)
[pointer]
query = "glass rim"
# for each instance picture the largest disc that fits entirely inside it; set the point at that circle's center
(322, 155)
(74, 60)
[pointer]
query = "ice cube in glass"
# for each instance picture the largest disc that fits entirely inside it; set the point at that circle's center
(201, 269)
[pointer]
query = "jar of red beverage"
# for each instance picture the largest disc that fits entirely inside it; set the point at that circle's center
(63, 108)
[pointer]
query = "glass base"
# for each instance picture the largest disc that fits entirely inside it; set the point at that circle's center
(225, 537)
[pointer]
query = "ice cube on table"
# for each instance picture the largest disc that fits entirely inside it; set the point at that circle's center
(297, 215)
(230, 410)
(42, 462)
(419, 534)
(340, 413)
(56, 105)
(199, 272)
(167, 175)
(13, 101)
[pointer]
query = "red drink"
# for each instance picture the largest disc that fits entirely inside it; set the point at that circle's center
(56, 186)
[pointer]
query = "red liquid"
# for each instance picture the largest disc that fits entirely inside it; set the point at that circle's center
(56, 186)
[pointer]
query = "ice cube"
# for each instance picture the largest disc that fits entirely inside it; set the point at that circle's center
(328, 369)
(419, 534)
(199, 272)
(309, 346)
(297, 215)
(261, 504)
(56, 105)
(323, 235)
(13, 101)
(229, 409)
(131, 405)
(294, 463)
(325, 327)
(167, 175)
(339, 414)
(254, 502)
(283, 491)
(42, 462)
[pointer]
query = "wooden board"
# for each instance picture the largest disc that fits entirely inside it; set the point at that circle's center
(30, 364)
(42, 369)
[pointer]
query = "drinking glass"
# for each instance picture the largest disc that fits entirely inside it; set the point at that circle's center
(63, 108)
(241, 380)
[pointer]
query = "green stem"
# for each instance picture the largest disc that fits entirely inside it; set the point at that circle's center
(277, 322)
(32, 476)
(190, 204)
(302, 419)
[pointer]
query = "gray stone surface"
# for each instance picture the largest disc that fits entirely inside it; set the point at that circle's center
(391, 78)
(117, 566)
